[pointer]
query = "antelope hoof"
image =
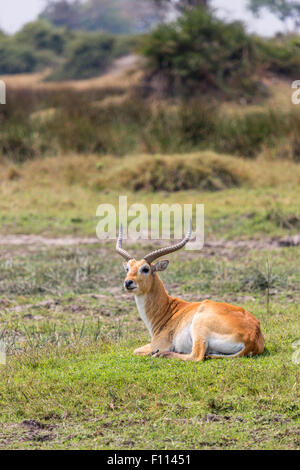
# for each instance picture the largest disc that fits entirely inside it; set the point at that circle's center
(163, 354)
(155, 353)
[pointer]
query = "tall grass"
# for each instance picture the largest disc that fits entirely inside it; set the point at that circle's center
(38, 123)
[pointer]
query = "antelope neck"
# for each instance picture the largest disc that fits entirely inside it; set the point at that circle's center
(155, 306)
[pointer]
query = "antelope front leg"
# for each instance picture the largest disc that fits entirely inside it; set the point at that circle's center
(160, 343)
(143, 350)
(196, 355)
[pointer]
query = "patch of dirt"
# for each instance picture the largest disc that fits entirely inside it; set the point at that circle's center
(290, 241)
(272, 419)
(44, 304)
(210, 248)
(124, 64)
(76, 308)
(33, 424)
(230, 247)
(27, 430)
(37, 431)
(20, 240)
(213, 418)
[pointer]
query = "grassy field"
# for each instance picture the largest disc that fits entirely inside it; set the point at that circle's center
(247, 199)
(71, 380)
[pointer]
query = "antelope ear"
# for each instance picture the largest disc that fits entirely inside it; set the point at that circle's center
(160, 265)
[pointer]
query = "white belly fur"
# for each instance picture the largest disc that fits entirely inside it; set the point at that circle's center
(140, 303)
(216, 345)
(183, 341)
(220, 346)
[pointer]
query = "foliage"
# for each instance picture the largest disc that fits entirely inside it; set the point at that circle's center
(40, 35)
(16, 58)
(199, 51)
(87, 56)
(280, 55)
(71, 54)
(71, 380)
(182, 5)
(36, 46)
(285, 10)
(114, 16)
(34, 123)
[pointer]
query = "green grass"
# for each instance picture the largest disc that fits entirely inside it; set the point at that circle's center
(71, 380)
(50, 196)
(238, 213)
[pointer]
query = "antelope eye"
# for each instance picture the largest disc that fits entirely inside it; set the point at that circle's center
(145, 270)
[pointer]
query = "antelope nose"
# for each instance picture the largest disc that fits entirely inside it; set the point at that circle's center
(128, 284)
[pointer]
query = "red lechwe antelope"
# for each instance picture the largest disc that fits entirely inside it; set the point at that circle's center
(184, 330)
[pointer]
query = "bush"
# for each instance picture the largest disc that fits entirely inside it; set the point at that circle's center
(280, 55)
(16, 58)
(175, 173)
(199, 52)
(36, 46)
(71, 54)
(87, 56)
(40, 35)
(45, 59)
(127, 44)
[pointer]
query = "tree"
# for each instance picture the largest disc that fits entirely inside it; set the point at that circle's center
(184, 4)
(62, 13)
(192, 3)
(199, 52)
(40, 35)
(285, 10)
(88, 55)
(114, 16)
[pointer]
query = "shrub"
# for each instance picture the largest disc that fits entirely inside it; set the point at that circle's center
(127, 44)
(40, 35)
(45, 59)
(205, 171)
(198, 51)
(17, 143)
(280, 55)
(16, 58)
(88, 55)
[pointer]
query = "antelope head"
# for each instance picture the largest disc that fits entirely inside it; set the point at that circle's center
(140, 273)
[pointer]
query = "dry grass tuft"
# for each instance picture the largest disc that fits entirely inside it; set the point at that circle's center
(201, 171)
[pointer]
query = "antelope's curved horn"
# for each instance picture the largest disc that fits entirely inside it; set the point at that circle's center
(169, 249)
(119, 248)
